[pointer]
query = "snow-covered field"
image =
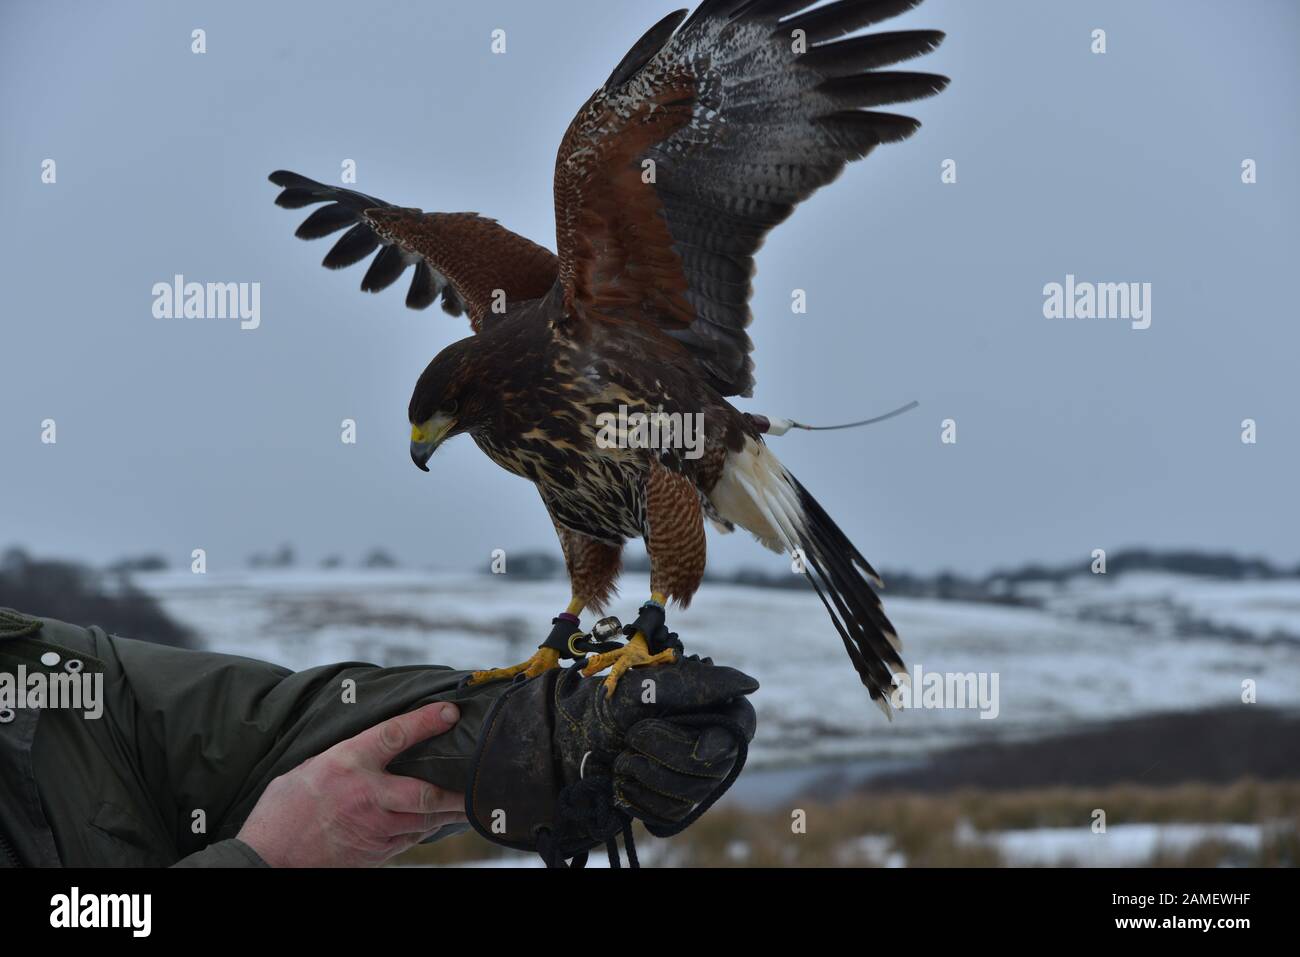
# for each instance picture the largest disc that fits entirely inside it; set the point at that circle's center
(1121, 845)
(1252, 611)
(1098, 648)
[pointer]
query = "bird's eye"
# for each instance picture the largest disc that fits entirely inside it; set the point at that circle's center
(450, 407)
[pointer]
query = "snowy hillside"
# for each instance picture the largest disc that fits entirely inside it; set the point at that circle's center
(1096, 649)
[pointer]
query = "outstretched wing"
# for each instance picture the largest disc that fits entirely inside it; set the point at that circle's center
(706, 137)
(463, 257)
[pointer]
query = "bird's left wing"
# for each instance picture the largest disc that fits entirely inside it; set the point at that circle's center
(475, 263)
(706, 137)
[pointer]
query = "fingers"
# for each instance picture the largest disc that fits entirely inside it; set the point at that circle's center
(403, 843)
(650, 790)
(669, 768)
(742, 712)
(666, 780)
(707, 751)
(716, 683)
(399, 843)
(671, 745)
(375, 747)
(413, 796)
(341, 809)
(420, 826)
(684, 686)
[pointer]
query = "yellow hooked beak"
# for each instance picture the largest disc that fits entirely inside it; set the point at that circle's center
(426, 438)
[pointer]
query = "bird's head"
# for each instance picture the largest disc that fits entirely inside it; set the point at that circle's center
(447, 400)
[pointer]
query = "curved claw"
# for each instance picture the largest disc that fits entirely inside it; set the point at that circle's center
(635, 654)
(542, 661)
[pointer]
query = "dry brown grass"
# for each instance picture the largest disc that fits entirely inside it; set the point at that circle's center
(925, 828)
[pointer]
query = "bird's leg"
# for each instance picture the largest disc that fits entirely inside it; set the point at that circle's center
(636, 653)
(547, 655)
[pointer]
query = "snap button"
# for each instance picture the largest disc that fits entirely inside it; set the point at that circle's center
(7, 715)
(73, 665)
(49, 659)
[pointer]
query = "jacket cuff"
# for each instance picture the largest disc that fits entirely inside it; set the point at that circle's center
(229, 853)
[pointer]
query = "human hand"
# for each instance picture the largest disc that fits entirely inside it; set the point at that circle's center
(343, 809)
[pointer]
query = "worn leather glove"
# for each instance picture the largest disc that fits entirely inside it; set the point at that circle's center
(560, 768)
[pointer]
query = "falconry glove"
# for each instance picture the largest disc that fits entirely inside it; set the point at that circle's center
(561, 767)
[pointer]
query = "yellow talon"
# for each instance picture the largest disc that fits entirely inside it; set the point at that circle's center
(542, 661)
(635, 654)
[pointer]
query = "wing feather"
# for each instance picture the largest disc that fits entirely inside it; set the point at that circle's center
(462, 257)
(705, 138)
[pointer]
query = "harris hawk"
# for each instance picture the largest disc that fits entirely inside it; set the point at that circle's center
(707, 135)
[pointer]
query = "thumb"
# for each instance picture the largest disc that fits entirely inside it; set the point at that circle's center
(376, 747)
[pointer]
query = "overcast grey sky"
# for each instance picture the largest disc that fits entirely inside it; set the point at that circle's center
(1071, 435)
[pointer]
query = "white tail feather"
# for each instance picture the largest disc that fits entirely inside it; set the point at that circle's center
(755, 494)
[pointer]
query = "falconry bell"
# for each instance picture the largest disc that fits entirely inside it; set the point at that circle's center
(607, 629)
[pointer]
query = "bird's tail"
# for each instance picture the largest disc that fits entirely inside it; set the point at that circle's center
(759, 494)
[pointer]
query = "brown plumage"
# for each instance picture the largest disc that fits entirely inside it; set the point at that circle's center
(674, 533)
(705, 137)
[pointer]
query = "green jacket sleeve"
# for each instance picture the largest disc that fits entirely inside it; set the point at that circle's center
(231, 853)
(187, 741)
(217, 729)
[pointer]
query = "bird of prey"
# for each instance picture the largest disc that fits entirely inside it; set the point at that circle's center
(707, 135)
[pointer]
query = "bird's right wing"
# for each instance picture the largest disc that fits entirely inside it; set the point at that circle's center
(705, 137)
(475, 263)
